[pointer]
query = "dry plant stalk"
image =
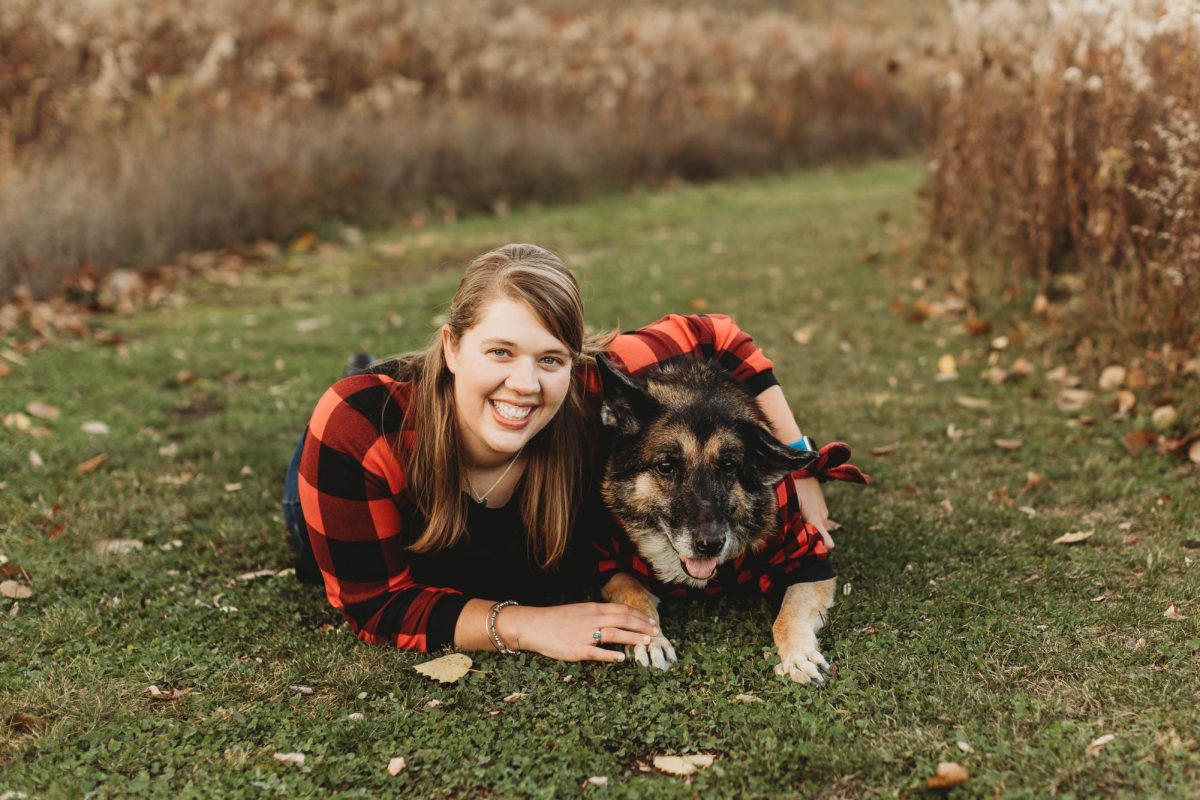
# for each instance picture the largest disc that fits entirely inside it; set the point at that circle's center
(1065, 137)
(129, 131)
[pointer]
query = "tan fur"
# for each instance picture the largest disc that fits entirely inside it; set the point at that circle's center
(803, 614)
(624, 588)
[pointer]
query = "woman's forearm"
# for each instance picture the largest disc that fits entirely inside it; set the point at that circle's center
(779, 414)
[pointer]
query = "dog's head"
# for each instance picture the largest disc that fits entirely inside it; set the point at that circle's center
(692, 468)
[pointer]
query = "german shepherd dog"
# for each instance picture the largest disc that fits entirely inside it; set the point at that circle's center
(690, 476)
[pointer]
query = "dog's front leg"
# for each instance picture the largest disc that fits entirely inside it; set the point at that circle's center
(624, 588)
(805, 606)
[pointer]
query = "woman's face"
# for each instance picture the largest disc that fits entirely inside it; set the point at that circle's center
(510, 378)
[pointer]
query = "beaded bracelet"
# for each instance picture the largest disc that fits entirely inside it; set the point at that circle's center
(491, 627)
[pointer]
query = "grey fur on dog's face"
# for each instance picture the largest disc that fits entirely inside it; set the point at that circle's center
(692, 466)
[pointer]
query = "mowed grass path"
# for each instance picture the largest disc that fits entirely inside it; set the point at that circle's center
(961, 627)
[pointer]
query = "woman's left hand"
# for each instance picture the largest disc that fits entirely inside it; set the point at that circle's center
(812, 507)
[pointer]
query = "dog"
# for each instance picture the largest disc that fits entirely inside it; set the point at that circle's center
(694, 479)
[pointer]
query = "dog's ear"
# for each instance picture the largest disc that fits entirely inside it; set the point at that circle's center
(627, 405)
(769, 460)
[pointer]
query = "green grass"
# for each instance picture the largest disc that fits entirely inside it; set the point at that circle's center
(959, 626)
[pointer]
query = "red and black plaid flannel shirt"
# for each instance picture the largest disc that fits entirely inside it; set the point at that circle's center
(354, 493)
(796, 553)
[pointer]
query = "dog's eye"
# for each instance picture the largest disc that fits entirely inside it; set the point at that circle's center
(665, 467)
(728, 465)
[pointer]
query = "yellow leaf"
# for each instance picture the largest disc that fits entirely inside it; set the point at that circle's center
(446, 669)
(682, 765)
(397, 765)
(947, 365)
(15, 591)
(1074, 538)
(974, 403)
(948, 775)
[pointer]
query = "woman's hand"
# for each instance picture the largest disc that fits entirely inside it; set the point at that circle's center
(567, 632)
(812, 507)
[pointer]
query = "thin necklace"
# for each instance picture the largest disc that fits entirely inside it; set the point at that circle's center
(482, 499)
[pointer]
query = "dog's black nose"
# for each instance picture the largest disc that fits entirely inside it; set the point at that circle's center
(709, 543)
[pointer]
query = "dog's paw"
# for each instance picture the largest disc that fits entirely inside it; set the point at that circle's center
(804, 667)
(659, 653)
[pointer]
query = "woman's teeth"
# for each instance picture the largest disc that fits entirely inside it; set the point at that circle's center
(512, 412)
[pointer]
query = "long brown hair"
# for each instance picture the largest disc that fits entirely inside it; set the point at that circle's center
(554, 459)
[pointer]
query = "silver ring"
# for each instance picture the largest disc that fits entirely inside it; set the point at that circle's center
(596, 635)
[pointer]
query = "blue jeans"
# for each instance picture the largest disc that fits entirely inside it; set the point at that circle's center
(293, 517)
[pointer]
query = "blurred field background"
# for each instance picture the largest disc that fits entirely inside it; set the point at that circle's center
(1063, 138)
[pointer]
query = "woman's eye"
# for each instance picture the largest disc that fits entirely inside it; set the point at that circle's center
(499, 352)
(552, 361)
(665, 467)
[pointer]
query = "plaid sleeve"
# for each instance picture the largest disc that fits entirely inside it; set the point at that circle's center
(796, 553)
(708, 336)
(352, 490)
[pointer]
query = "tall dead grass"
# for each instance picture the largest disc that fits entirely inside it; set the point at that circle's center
(1065, 138)
(129, 131)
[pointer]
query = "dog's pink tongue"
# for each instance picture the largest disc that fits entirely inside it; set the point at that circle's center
(700, 568)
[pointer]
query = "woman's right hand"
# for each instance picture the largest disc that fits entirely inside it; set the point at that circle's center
(567, 632)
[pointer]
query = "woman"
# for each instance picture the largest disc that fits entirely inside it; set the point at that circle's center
(457, 473)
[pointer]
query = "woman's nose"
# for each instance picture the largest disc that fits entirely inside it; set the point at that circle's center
(523, 376)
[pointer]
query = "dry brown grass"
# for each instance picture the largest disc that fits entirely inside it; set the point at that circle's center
(129, 132)
(1067, 140)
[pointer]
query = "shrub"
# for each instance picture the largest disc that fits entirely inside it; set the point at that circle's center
(1067, 138)
(128, 132)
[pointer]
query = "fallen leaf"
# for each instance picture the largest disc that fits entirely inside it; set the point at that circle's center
(304, 690)
(1172, 612)
(597, 780)
(1164, 416)
(15, 591)
(1126, 400)
(1008, 444)
(683, 765)
(1032, 481)
(1062, 378)
(1022, 367)
(43, 411)
(886, 450)
(802, 335)
(262, 573)
(514, 697)
(95, 428)
(947, 367)
(973, 403)
(91, 465)
(290, 758)
(24, 722)
(310, 325)
(5, 370)
(978, 327)
(16, 421)
(995, 376)
(396, 766)
(947, 505)
(1111, 378)
(184, 377)
(1072, 400)
(1074, 538)
(357, 716)
(1000, 343)
(1193, 452)
(747, 698)
(1096, 745)
(948, 775)
(1136, 379)
(434, 703)
(169, 450)
(446, 669)
(964, 746)
(154, 693)
(698, 304)
(1137, 441)
(116, 547)
(233, 487)
(35, 460)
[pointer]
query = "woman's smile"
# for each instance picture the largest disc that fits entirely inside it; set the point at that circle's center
(511, 376)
